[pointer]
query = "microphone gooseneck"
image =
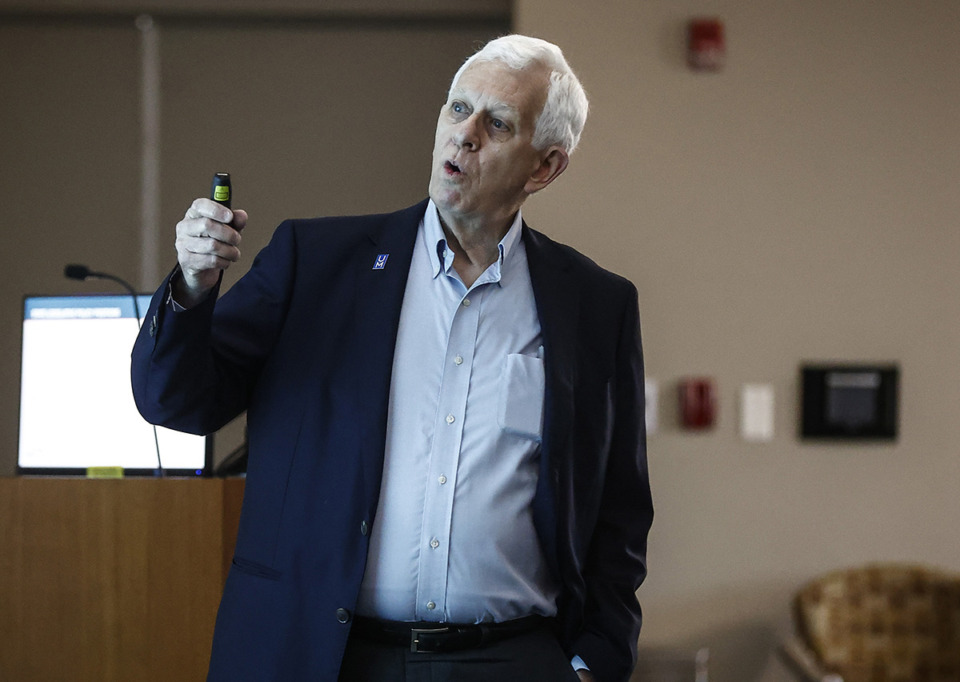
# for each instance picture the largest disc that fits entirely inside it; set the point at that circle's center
(82, 273)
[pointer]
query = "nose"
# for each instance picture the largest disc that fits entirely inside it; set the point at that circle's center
(466, 134)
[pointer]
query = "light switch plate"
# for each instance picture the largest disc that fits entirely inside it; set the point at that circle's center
(756, 412)
(651, 392)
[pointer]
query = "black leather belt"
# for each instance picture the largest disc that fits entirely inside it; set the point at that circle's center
(442, 637)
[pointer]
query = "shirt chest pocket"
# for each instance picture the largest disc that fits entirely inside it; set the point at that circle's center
(520, 406)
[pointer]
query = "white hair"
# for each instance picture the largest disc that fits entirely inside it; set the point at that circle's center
(565, 110)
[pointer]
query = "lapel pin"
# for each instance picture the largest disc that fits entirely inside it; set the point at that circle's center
(381, 261)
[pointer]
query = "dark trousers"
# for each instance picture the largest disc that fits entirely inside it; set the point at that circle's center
(530, 657)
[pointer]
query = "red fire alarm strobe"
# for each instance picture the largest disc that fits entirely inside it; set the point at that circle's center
(698, 405)
(706, 47)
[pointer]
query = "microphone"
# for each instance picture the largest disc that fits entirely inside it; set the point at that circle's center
(83, 273)
(75, 271)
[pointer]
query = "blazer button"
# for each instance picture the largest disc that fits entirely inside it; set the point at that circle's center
(364, 528)
(343, 616)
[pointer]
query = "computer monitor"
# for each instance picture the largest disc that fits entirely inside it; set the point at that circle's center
(76, 403)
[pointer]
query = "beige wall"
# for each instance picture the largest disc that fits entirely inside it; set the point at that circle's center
(325, 114)
(334, 9)
(801, 205)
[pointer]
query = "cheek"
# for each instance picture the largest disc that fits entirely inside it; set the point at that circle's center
(439, 136)
(516, 166)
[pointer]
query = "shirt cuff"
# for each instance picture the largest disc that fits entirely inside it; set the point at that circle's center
(172, 302)
(578, 663)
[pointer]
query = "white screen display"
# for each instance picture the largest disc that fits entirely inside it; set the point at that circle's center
(76, 401)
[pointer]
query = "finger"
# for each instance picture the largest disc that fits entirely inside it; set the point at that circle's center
(196, 264)
(209, 229)
(207, 208)
(239, 219)
(204, 252)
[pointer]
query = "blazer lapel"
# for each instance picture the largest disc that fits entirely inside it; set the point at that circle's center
(383, 264)
(558, 302)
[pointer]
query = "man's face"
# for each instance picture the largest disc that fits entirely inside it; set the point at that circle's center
(483, 155)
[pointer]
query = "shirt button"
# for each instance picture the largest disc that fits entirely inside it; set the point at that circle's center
(451, 419)
(434, 543)
(458, 360)
(343, 616)
(466, 302)
(442, 479)
(431, 605)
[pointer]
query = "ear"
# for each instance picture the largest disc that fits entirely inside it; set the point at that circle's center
(550, 168)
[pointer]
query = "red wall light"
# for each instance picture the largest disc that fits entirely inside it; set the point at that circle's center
(706, 45)
(698, 403)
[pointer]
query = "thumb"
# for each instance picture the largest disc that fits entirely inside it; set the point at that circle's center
(239, 221)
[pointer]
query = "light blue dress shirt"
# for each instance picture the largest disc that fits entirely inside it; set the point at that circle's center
(453, 539)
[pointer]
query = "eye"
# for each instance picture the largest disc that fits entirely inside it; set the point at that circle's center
(499, 125)
(458, 108)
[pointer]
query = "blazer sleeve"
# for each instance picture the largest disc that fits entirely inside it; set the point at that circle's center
(194, 370)
(615, 564)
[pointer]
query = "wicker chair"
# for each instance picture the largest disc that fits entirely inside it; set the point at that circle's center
(878, 623)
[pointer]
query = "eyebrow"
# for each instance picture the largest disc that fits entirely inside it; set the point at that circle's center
(496, 107)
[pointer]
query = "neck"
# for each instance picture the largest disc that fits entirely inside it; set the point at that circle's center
(475, 245)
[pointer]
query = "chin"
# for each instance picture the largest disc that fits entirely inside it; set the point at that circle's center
(446, 200)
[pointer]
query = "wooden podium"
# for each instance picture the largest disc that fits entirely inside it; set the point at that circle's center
(112, 580)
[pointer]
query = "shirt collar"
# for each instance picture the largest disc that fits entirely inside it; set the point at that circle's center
(441, 258)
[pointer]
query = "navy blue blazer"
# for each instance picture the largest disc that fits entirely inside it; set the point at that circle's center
(304, 342)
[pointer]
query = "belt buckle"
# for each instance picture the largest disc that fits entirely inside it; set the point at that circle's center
(415, 637)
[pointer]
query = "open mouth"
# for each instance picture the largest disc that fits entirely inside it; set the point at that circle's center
(452, 168)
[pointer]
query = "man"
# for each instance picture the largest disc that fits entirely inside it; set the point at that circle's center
(447, 473)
